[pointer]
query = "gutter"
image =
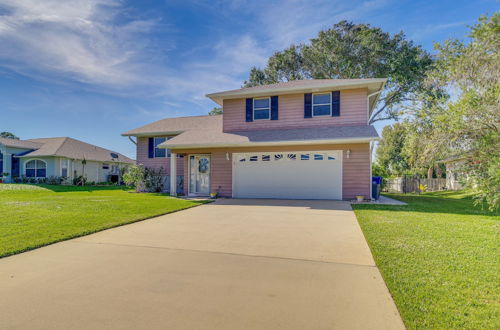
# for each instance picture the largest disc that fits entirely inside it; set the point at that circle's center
(163, 133)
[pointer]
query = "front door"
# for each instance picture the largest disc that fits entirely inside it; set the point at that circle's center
(199, 175)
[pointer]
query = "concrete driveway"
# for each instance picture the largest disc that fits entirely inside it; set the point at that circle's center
(233, 264)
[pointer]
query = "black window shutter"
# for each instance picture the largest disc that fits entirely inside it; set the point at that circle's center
(274, 108)
(308, 105)
(249, 112)
(335, 103)
(151, 149)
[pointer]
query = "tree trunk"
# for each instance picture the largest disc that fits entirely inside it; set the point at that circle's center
(439, 171)
(429, 172)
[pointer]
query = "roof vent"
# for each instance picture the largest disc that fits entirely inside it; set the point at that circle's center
(113, 155)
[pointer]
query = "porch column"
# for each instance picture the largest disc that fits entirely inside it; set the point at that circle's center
(173, 174)
(7, 166)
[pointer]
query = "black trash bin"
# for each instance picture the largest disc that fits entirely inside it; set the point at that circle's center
(376, 186)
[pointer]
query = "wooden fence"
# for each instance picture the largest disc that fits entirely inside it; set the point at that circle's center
(414, 184)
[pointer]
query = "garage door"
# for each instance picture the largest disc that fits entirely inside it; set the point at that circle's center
(289, 175)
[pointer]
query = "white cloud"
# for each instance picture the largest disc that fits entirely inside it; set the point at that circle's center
(274, 26)
(296, 21)
(89, 41)
(226, 69)
(78, 39)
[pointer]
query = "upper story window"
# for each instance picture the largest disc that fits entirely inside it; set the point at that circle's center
(262, 108)
(322, 104)
(159, 152)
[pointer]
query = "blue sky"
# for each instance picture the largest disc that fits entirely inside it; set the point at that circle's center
(92, 69)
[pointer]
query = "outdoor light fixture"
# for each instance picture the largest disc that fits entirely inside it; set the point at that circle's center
(227, 155)
(348, 152)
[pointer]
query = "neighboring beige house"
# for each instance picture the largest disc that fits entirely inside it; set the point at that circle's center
(454, 171)
(305, 139)
(60, 156)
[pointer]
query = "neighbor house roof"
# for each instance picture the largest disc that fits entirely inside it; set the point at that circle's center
(216, 138)
(75, 149)
(303, 86)
(172, 126)
(22, 144)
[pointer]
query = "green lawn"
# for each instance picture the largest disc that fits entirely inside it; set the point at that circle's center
(439, 256)
(35, 215)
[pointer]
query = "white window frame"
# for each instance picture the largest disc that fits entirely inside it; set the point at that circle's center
(36, 168)
(268, 108)
(154, 147)
(61, 166)
(312, 103)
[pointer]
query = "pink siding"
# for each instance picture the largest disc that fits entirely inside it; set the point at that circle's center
(353, 111)
(156, 163)
(356, 169)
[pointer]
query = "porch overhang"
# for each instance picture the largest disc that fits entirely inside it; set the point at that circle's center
(268, 144)
(284, 137)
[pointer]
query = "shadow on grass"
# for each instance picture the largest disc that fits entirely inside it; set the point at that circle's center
(64, 188)
(451, 202)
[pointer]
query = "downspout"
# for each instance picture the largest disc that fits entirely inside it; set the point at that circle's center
(132, 140)
(371, 142)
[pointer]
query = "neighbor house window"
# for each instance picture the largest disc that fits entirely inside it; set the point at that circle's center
(105, 166)
(322, 104)
(36, 169)
(262, 108)
(64, 167)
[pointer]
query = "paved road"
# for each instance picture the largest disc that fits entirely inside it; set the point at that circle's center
(233, 264)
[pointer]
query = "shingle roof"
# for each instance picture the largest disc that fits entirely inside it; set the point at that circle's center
(71, 148)
(215, 138)
(171, 126)
(304, 83)
(23, 144)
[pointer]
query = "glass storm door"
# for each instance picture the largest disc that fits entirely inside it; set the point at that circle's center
(199, 174)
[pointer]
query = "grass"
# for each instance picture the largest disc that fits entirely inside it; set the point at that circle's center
(36, 215)
(439, 256)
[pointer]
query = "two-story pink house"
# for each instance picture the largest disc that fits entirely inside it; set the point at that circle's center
(305, 139)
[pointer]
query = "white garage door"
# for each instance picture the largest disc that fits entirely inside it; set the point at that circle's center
(289, 175)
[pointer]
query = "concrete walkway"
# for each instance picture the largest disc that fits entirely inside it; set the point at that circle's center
(233, 264)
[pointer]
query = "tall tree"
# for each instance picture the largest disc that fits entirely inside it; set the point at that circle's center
(349, 50)
(8, 135)
(390, 150)
(215, 111)
(469, 124)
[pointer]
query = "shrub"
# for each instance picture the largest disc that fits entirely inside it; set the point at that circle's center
(55, 180)
(144, 179)
(79, 180)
